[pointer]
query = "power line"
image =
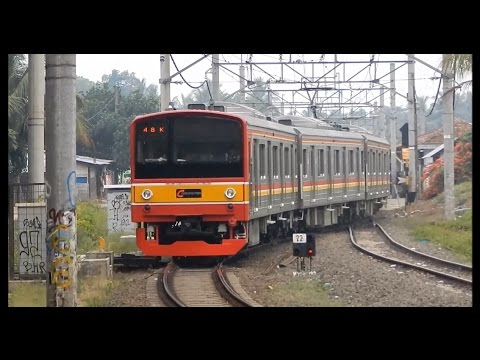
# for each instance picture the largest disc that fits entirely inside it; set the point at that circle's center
(436, 97)
(109, 101)
(185, 81)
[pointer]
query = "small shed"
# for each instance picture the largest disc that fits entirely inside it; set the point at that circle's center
(91, 177)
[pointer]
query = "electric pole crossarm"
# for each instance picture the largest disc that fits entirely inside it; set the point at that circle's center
(430, 66)
(234, 73)
(317, 62)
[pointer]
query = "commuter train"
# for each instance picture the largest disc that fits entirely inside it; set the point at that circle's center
(211, 182)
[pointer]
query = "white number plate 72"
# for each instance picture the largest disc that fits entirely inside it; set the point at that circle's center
(299, 238)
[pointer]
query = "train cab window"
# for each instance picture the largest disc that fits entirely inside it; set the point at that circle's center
(321, 162)
(287, 162)
(188, 147)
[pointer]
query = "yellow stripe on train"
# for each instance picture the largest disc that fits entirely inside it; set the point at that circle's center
(188, 193)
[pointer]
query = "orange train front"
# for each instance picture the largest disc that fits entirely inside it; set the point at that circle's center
(189, 183)
(209, 183)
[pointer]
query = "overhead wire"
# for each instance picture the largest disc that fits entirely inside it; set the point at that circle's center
(185, 81)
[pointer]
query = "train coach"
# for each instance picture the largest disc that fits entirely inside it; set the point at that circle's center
(210, 183)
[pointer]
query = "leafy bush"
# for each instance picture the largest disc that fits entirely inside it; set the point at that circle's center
(433, 173)
(91, 224)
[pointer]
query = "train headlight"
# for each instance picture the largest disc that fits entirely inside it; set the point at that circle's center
(230, 193)
(147, 194)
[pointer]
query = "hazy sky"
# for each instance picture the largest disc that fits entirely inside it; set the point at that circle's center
(147, 66)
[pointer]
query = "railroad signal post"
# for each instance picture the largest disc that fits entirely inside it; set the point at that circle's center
(303, 246)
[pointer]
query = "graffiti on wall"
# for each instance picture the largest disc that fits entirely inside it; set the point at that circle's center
(119, 211)
(31, 240)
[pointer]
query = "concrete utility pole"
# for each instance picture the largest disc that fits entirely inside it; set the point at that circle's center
(60, 181)
(448, 140)
(393, 128)
(215, 77)
(421, 121)
(412, 133)
(164, 81)
(381, 127)
(36, 119)
(242, 83)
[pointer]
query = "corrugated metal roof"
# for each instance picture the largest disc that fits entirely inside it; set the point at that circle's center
(434, 151)
(94, 161)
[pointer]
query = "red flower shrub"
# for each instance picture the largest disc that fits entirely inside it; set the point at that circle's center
(433, 174)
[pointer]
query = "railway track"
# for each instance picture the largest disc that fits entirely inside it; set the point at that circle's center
(198, 287)
(378, 243)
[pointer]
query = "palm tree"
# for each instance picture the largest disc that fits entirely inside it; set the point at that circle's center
(17, 86)
(460, 65)
(83, 128)
(18, 114)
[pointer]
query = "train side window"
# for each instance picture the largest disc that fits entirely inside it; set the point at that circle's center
(262, 154)
(336, 168)
(304, 162)
(275, 162)
(287, 162)
(312, 162)
(294, 163)
(379, 161)
(374, 163)
(280, 160)
(351, 162)
(385, 166)
(321, 162)
(362, 161)
(344, 161)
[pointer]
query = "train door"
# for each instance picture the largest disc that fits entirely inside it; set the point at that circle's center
(344, 170)
(293, 172)
(330, 185)
(337, 190)
(254, 176)
(270, 175)
(359, 170)
(306, 192)
(263, 185)
(313, 192)
(282, 174)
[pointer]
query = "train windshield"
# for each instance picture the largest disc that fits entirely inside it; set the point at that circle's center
(188, 147)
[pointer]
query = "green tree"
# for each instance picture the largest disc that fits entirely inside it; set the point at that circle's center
(17, 113)
(109, 128)
(201, 95)
(127, 81)
(459, 64)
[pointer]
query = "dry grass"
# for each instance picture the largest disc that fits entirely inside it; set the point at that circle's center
(427, 221)
(301, 291)
(31, 294)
